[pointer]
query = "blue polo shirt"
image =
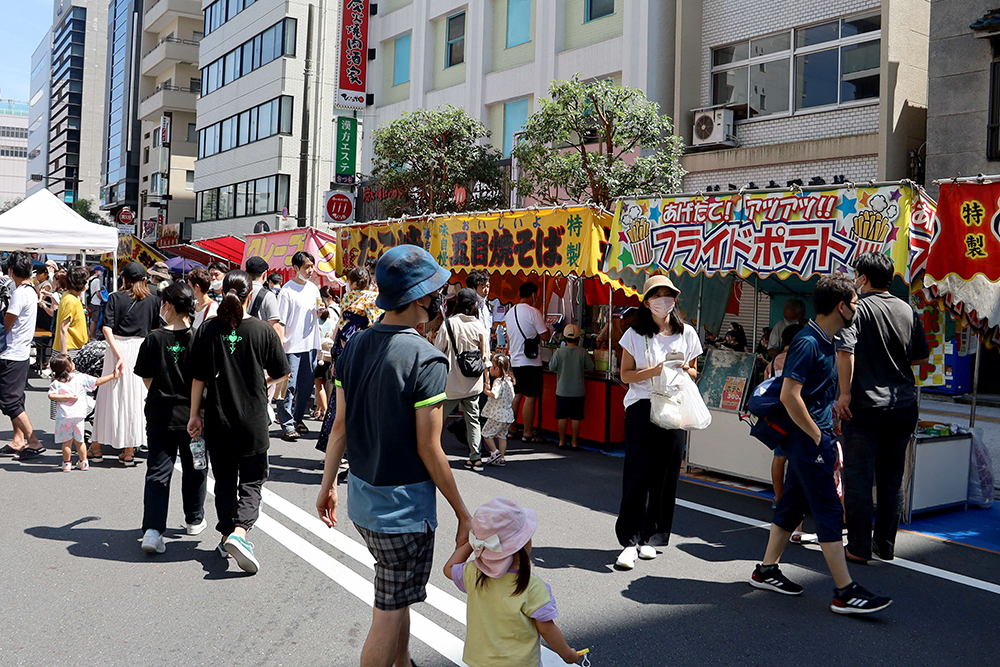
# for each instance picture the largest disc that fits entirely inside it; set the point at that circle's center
(812, 360)
(387, 374)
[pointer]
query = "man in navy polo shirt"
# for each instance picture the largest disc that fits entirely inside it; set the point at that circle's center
(390, 390)
(808, 392)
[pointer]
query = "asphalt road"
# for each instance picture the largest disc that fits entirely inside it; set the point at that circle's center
(77, 590)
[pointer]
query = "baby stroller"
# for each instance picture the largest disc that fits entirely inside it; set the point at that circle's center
(90, 360)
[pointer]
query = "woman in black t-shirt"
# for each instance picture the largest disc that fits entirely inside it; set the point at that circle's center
(129, 315)
(235, 356)
(162, 363)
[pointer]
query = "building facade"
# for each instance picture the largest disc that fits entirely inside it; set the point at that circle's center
(265, 115)
(170, 84)
(69, 146)
(38, 116)
(818, 92)
(963, 115)
(122, 129)
(13, 149)
(496, 58)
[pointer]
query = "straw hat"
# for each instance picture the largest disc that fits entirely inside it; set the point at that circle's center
(657, 281)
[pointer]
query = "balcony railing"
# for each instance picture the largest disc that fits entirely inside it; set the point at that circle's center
(167, 86)
(172, 40)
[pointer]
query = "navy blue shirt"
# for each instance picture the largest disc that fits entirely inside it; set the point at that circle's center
(812, 360)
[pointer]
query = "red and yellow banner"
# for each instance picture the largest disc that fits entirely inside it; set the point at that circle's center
(967, 240)
(557, 241)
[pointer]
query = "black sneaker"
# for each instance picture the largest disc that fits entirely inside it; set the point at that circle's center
(856, 599)
(770, 578)
(882, 554)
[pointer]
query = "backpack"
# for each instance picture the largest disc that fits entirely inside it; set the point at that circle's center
(773, 424)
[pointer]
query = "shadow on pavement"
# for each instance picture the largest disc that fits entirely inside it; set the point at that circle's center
(123, 546)
(670, 591)
(592, 560)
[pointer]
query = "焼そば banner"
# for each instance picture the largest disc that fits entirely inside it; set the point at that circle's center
(557, 241)
(782, 233)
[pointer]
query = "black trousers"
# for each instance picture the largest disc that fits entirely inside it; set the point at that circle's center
(875, 442)
(649, 484)
(238, 484)
(164, 447)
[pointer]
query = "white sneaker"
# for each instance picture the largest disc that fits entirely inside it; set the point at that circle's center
(152, 542)
(647, 552)
(626, 559)
(195, 528)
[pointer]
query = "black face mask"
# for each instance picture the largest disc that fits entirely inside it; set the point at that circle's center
(854, 316)
(434, 307)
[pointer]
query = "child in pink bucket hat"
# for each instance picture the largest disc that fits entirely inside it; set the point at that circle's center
(509, 608)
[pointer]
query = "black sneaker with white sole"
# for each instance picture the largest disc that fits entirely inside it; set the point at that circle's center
(770, 578)
(856, 599)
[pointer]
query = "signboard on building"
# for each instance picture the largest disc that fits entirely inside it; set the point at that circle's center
(164, 130)
(170, 235)
(338, 207)
(352, 86)
(347, 150)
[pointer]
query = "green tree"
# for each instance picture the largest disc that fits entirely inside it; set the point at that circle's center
(82, 207)
(423, 156)
(574, 147)
(10, 203)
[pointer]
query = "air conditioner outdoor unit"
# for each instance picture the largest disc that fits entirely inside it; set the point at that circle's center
(712, 126)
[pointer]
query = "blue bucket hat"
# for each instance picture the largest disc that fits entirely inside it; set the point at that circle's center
(407, 273)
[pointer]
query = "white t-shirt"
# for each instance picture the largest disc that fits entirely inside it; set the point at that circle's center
(660, 345)
(297, 312)
(206, 313)
(532, 323)
(23, 304)
(78, 385)
(94, 292)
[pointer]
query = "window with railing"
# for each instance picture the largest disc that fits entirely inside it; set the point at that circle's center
(273, 43)
(817, 67)
(262, 121)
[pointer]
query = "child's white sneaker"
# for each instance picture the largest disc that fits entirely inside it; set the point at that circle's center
(67, 466)
(626, 559)
(647, 552)
(152, 542)
(82, 465)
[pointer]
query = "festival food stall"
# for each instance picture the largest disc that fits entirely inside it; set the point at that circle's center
(277, 248)
(558, 248)
(781, 242)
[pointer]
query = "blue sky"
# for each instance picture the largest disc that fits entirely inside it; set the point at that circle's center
(23, 24)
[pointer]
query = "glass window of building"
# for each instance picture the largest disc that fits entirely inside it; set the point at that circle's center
(598, 9)
(518, 22)
(514, 115)
(455, 47)
(401, 60)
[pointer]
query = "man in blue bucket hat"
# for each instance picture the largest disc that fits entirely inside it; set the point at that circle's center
(390, 389)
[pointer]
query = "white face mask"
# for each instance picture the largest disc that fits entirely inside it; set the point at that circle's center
(662, 306)
(216, 285)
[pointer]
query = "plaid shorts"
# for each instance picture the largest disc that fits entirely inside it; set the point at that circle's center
(402, 566)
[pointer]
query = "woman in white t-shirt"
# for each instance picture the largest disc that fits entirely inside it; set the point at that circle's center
(205, 307)
(653, 455)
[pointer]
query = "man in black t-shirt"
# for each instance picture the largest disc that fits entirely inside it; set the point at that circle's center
(390, 390)
(878, 406)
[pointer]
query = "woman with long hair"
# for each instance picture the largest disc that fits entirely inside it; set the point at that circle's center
(658, 338)
(235, 356)
(129, 316)
(357, 312)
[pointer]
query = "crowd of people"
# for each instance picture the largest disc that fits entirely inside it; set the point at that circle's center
(204, 359)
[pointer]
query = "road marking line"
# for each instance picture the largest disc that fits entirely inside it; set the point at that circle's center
(899, 562)
(961, 415)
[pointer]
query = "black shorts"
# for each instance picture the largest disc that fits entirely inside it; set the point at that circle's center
(528, 380)
(570, 407)
(322, 371)
(402, 566)
(13, 381)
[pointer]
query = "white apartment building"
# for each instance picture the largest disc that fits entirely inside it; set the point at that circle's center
(265, 115)
(38, 115)
(13, 149)
(168, 90)
(497, 58)
(818, 91)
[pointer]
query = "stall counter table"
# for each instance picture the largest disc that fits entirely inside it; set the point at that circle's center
(605, 412)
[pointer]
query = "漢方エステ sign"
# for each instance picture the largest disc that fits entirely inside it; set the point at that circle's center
(347, 150)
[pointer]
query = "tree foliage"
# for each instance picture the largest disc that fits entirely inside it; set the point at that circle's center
(422, 156)
(10, 203)
(574, 147)
(82, 207)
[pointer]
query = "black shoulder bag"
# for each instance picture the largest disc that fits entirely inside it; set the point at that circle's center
(470, 362)
(531, 345)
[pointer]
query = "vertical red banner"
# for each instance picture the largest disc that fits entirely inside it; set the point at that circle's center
(968, 243)
(353, 80)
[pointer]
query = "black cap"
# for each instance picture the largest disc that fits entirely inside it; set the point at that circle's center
(256, 266)
(133, 271)
(466, 297)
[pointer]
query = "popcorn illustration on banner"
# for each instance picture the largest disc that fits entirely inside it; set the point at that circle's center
(636, 227)
(872, 226)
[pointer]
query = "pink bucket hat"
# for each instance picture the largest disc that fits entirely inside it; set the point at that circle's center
(499, 529)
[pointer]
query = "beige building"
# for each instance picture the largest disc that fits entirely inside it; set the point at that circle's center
(170, 84)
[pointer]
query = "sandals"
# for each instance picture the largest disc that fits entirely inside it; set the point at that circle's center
(8, 450)
(95, 456)
(534, 438)
(28, 453)
(127, 461)
(476, 466)
(851, 558)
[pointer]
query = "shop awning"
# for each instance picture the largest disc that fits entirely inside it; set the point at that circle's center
(195, 253)
(228, 247)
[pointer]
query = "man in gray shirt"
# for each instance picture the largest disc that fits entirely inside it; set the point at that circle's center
(263, 304)
(878, 406)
